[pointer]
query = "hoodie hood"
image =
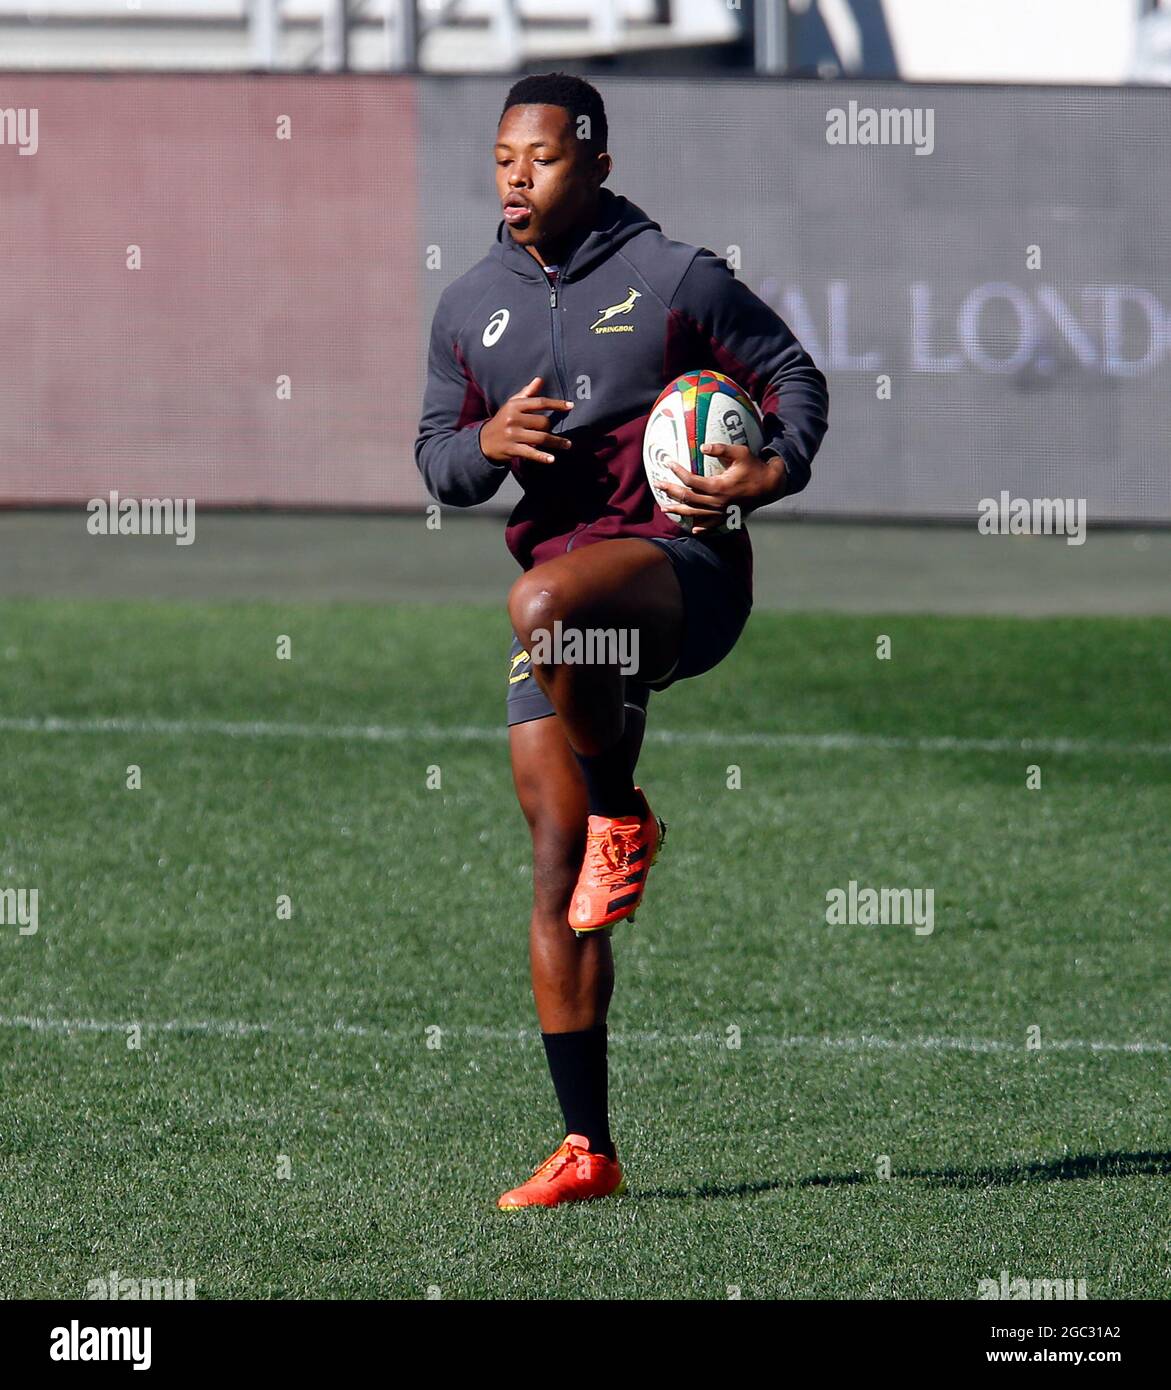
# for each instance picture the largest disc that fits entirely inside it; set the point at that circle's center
(617, 221)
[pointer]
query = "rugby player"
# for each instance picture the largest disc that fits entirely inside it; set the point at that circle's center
(545, 359)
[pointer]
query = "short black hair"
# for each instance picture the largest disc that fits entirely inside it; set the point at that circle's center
(575, 94)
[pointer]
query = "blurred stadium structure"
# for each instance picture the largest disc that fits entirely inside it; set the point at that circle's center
(269, 351)
(1090, 41)
(320, 258)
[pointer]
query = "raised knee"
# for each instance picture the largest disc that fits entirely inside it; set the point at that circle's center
(535, 603)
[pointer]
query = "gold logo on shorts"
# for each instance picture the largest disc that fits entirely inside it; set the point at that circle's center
(514, 679)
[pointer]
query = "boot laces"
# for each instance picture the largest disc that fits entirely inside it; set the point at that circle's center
(557, 1163)
(610, 854)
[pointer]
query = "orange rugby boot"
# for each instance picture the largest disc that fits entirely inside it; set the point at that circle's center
(572, 1174)
(618, 855)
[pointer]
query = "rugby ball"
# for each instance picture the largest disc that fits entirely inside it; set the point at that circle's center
(697, 408)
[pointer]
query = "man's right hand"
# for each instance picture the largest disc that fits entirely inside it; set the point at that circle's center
(520, 428)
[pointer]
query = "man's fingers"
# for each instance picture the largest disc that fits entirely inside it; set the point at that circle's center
(707, 513)
(698, 483)
(527, 451)
(517, 424)
(693, 498)
(730, 453)
(533, 385)
(547, 403)
(541, 439)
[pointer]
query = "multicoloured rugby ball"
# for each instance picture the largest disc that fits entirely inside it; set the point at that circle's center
(697, 408)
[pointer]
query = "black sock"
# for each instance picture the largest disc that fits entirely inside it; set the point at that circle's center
(577, 1063)
(609, 781)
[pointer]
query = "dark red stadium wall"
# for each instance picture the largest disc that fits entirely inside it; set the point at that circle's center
(261, 258)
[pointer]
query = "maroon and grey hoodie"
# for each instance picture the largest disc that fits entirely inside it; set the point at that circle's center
(627, 312)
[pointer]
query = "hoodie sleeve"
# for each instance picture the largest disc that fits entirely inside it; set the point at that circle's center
(447, 449)
(755, 347)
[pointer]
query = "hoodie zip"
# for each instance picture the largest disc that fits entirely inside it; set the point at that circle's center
(558, 342)
(559, 359)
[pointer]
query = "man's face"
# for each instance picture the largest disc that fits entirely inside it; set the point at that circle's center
(545, 173)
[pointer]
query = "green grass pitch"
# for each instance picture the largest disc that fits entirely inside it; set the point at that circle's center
(328, 1105)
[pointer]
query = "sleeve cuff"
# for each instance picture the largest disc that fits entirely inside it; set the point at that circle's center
(772, 449)
(492, 463)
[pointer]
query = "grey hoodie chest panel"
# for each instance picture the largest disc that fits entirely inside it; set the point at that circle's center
(600, 346)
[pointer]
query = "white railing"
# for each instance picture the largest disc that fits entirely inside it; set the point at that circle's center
(454, 35)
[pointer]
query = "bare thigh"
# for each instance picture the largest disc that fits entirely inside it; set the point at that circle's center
(626, 583)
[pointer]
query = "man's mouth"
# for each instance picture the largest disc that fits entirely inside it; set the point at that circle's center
(516, 212)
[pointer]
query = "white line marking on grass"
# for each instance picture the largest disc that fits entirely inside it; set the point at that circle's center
(471, 733)
(865, 1042)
